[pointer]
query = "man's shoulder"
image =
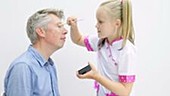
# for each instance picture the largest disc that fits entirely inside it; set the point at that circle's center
(25, 59)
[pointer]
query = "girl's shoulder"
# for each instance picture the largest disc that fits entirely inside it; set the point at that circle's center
(129, 47)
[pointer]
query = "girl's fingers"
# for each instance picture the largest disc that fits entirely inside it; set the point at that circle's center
(72, 20)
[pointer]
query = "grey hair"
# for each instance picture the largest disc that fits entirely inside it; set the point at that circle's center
(40, 19)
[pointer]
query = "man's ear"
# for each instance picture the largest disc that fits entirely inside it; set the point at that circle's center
(40, 32)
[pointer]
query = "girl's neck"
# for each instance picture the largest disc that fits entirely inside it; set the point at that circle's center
(114, 39)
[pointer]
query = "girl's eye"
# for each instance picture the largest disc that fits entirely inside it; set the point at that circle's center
(100, 21)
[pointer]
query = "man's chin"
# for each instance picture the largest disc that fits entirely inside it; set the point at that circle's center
(59, 47)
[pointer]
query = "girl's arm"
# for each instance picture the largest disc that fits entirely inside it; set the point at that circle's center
(121, 89)
(76, 36)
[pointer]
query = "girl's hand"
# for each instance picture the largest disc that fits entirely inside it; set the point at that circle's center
(72, 21)
(89, 75)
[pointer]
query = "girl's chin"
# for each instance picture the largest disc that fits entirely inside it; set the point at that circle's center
(99, 36)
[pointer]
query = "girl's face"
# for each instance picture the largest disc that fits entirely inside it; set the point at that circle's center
(105, 24)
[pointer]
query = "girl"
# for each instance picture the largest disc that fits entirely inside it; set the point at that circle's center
(114, 46)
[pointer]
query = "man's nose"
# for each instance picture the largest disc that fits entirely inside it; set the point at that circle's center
(65, 31)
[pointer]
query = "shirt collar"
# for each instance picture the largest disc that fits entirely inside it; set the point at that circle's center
(42, 61)
(114, 40)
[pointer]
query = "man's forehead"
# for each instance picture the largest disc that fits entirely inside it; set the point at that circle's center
(56, 19)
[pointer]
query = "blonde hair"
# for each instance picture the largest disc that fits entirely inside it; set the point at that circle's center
(121, 9)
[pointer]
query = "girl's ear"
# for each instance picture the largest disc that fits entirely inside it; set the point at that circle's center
(40, 32)
(118, 22)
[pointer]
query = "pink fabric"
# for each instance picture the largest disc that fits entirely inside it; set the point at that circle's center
(112, 94)
(110, 55)
(117, 39)
(96, 86)
(87, 44)
(126, 79)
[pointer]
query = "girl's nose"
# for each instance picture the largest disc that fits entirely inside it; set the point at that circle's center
(97, 26)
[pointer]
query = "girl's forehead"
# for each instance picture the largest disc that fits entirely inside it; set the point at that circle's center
(100, 10)
(101, 13)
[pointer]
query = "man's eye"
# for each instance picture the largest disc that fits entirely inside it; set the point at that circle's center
(60, 26)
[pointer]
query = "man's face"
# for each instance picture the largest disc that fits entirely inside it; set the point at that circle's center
(55, 33)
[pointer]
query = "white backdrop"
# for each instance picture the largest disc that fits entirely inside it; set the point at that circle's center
(151, 18)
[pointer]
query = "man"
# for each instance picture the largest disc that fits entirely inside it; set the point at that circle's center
(33, 73)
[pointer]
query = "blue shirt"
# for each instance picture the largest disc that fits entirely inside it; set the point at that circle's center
(31, 75)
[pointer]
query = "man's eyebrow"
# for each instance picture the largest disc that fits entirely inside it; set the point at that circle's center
(61, 23)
